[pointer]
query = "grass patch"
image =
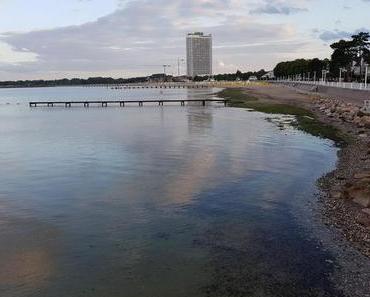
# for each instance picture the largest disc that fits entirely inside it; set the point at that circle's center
(306, 120)
(236, 95)
(314, 127)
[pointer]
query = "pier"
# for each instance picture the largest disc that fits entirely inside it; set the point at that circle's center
(121, 103)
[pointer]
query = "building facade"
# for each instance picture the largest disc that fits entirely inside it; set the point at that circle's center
(199, 54)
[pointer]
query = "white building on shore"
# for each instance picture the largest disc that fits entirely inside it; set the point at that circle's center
(269, 75)
(199, 54)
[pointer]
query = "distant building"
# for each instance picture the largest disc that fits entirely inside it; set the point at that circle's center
(159, 78)
(269, 75)
(199, 54)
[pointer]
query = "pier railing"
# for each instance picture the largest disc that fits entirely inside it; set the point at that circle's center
(333, 84)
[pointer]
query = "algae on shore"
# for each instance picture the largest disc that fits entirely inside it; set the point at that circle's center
(306, 120)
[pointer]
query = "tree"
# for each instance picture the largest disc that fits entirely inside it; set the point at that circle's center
(342, 57)
(299, 67)
(238, 75)
(346, 53)
(361, 49)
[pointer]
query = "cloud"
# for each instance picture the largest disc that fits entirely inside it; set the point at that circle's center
(278, 7)
(147, 32)
(334, 35)
(10, 56)
(338, 34)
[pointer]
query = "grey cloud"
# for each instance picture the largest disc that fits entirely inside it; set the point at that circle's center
(278, 7)
(143, 33)
(334, 35)
(337, 34)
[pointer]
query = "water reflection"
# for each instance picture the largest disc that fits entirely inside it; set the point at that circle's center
(199, 119)
(26, 264)
(173, 201)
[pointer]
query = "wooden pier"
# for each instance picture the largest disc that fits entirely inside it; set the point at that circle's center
(121, 103)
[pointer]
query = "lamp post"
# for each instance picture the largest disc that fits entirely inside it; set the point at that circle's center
(366, 74)
(164, 68)
(324, 73)
(179, 60)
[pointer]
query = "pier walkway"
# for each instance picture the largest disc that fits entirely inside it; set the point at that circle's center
(121, 103)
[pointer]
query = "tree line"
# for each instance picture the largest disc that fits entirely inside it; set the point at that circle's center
(348, 60)
(111, 81)
(238, 75)
(70, 82)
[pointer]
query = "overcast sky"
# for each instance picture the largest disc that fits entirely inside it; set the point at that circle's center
(80, 38)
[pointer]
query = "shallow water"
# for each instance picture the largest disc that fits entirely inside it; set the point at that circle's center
(156, 201)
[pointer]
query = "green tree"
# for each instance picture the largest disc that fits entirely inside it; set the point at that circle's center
(361, 49)
(342, 56)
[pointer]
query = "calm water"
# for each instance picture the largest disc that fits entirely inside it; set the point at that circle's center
(156, 202)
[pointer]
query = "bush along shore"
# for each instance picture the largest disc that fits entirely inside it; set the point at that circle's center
(346, 190)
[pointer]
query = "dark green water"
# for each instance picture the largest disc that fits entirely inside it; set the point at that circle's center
(156, 202)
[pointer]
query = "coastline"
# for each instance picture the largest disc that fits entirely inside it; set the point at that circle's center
(344, 192)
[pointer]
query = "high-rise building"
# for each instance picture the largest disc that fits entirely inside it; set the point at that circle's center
(199, 54)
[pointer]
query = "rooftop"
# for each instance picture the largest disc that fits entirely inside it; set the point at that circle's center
(199, 34)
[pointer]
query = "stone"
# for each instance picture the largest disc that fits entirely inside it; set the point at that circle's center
(366, 211)
(364, 220)
(336, 195)
(362, 175)
(358, 191)
(362, 199)
(366, 121)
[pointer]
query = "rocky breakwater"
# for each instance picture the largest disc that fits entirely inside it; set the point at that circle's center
(348, 187)
(345, 112)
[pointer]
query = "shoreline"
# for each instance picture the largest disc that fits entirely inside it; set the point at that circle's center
(345, 192)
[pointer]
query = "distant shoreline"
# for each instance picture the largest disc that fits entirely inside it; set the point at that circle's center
(34, 87)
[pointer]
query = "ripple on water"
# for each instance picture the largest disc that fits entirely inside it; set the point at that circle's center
(174, 201)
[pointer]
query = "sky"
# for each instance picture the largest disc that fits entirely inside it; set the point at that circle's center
(51, 39)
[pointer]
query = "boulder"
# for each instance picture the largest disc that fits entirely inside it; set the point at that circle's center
(359, 189)
(366, 121)
(362, 175)
(358, 122)
(361, 197)
(364, 219)
(366, 211)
